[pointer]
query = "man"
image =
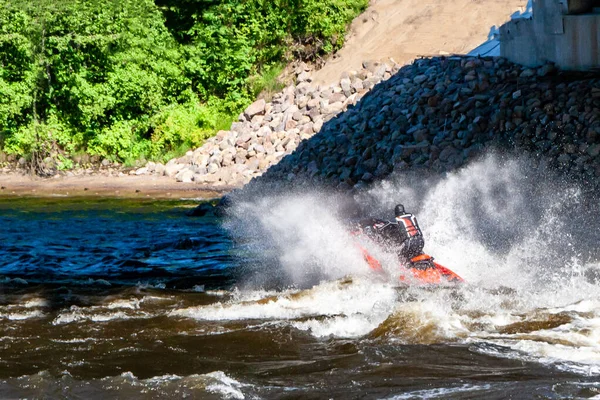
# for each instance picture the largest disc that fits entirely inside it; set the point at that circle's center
(402, 235)
(408, 225)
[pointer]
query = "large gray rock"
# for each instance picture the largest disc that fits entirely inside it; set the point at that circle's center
(593, 150)
(419, 79)
(185, 176)
(213, 168)
(171, 169)
(159, 169)
(346, 86)
(258, 107)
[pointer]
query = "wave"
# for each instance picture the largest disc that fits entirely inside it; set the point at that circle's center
(214, 384)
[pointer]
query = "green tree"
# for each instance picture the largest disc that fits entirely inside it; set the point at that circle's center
(128, 79)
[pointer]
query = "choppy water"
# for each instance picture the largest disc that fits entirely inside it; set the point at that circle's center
(133, 299)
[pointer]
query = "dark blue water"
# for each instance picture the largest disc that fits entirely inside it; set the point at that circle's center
(106, 241)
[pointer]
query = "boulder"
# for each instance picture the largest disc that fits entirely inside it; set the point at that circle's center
(171, 169)
(185, 176)
(258, 107)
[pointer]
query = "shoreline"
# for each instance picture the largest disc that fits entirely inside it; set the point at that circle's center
(131, 187)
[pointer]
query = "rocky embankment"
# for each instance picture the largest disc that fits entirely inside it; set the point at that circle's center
(438, 113)
(435, 114)
(268, 131)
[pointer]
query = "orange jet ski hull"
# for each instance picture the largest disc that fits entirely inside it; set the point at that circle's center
(421, 271)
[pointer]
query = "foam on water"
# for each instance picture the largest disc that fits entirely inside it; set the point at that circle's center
(561, 336)
(132, 304)
(35, 302)
(441, 393)
(525, 240)
(80, 316)
(110, 308)
(225, 386)
(353, 308)
(20, 316)
(216, 382)
(24, 309)
(347, 326)
(121, 309)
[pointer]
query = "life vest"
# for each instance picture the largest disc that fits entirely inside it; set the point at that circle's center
(410, 224)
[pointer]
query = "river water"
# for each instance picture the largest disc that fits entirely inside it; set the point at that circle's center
(133, 299)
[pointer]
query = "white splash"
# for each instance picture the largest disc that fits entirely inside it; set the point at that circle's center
(302, 234)
(522, 238)
(506, 226)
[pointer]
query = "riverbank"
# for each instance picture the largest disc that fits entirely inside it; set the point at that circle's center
(155, 187)
(433, 116)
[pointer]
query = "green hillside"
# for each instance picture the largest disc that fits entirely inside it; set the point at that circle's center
(142, 79)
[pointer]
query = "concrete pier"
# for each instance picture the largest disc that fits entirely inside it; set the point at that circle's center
(563, 32)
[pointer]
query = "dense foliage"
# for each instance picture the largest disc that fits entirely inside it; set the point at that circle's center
(129, 79)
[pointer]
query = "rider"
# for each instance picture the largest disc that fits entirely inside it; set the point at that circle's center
(403, 234)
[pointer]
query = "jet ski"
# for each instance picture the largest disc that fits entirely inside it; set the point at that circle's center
(422, 270)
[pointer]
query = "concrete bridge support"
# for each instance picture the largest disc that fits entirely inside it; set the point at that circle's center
(565, 32)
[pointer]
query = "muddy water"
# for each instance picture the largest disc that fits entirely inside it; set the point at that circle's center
(132, 299)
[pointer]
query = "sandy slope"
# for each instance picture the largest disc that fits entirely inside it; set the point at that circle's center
(405, 29)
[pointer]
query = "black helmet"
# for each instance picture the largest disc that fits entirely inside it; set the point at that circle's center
(399, 210)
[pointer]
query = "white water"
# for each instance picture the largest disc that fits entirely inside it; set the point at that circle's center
(506, 226)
